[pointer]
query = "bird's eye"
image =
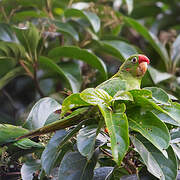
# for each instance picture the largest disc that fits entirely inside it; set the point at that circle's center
(134, 60)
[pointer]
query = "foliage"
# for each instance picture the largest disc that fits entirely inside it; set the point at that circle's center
(63, 49)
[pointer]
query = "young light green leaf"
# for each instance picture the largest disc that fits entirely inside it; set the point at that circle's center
(91, 17)
(151, 127)
(95, 96)
(141, 92)
(72, 101)
(40, 112)
(159, 95)
(75, 166)
(68, 29)
(156, 44)
(80, 54)
(119, 49)
(158, 165)
(48, 64)
(117, 125)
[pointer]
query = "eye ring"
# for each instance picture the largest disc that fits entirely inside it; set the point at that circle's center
(134, 60)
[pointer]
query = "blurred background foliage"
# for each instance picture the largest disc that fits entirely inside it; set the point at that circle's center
(55, 48)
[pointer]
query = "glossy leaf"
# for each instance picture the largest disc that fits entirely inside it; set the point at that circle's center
(117, 125)
(10, 76)
(119, 49)
(123, 95)
(95, 96)
(175, 142)
(86, 139)
(72, 101)
(151, 127)
(156, 44)
(48, 64)
(92, 18)
(51, 152)
(159, 95)
(158, 165)
(113, 85)
(8, 133)
(40, 112)
(80, 54)
(68, 29)
(75, 166)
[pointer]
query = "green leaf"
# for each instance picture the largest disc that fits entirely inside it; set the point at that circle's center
(95, 96)
(27, 144)
(175, 142)
(72, 101)
(175, 56)
(8, 133)
(117, 125)
(75, 166)
(158, 165)
(119, 49)
(28, 169)
(80, 54)
(92, 18)
(129, 5)
(68, 29)
(141, 92)
(123, 95)
(40, 112)
(51, 152)
(158, 76)
(28, 37)
(156, 44)
(6, 33)
(49, 65)
(159, 95)
(86, 139)
(151, 127)
(113, 85)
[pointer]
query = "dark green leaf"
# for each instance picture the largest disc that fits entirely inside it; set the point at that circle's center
(40, 113)
(117, 125)
(67, 28)
(81, 54)
(8, 133)
(157, 164)
(91, 17)
(75, 166)
(151, 127)
(72, 101)
(159, 95)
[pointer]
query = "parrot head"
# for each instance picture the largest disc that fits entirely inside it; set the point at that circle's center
(136, 65)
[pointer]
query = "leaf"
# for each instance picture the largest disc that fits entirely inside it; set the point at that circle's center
(72, 101)
(175, 50)
(6, 33)
(158, 165)
(159, 95)
(40, 112)
(86, 139)
(51, 152)
(8, 133)
(151, 127)
(156, 44)
(11, 75)
(27, 144)
(123, 95)
(141, 92)
(117, 125)
(95, 96)
(158, 76)
(129, 5)
(46, 63)
(175, 142)
(102, 173)
(92, 18)
(113, 85)
(68, 29)
(119, 49)
(28, 169)
(75, 166)
(81, 54)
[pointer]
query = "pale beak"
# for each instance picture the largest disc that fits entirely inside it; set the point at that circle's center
(142, 68)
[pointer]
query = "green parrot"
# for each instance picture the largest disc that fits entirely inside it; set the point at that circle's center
(130, 73)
